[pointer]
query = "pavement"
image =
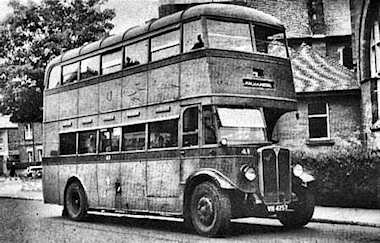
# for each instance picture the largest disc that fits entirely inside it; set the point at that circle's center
(31, 189)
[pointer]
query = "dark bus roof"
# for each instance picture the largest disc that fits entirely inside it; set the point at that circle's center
(211, 9)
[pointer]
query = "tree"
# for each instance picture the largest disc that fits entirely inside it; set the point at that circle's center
(34, 34)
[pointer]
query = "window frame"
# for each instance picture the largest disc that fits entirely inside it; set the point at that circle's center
(110, 52)
(197, 131)
(99, 67)
(326, 116)
(228, 20)
(28, 133)
(172, 29)
(77, 72)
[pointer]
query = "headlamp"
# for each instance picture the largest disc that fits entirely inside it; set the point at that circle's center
(248, 172)
(298, 170)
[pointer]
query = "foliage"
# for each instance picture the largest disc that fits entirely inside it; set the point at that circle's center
(346, 177)
(34, 34)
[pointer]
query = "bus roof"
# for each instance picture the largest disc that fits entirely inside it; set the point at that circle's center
(210, 9)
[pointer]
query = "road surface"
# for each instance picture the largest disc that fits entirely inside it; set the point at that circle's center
(33, 221)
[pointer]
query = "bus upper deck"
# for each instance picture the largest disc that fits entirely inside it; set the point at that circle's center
(209, 50)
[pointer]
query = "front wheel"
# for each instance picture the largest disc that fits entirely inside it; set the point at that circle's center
(303, 210)
(75, 206)
(210, 210)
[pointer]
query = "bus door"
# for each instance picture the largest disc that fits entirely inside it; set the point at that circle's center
(162, 166)
(190, 138)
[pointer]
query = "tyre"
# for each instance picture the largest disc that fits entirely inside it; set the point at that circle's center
(210, 210)
(303, 210)
(75, 206)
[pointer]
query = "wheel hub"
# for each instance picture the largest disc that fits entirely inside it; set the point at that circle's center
(205, 211)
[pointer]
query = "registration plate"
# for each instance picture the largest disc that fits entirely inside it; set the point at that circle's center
(277, 208)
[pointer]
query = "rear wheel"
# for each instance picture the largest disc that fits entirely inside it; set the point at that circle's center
(303, 210)
(75, 206)
(210, 210)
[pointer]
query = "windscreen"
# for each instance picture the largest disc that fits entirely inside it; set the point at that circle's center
(241, 126)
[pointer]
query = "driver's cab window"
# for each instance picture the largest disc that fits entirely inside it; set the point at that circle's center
(190, 127)
(209, 125)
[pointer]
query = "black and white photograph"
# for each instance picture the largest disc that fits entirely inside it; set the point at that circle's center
(190, 121)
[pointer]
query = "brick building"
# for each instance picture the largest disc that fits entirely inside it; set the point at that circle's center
(328, 98)
(8, 143)
(20, 143)
(365, 19)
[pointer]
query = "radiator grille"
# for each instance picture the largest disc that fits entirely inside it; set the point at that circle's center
(276, 175)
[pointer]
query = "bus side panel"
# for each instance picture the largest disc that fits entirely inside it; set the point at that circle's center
(66, 171)
(51, 103)
(195, 78)
(51, 139)
(110, 95)
(108, 175)
(68, 104)
(188, 166)
(88, 100)
(87, 175)
(133, 179)
(163, 185)
(163, 84)
(134, 90)
(50, 184)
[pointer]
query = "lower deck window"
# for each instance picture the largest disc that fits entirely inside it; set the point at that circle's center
(163, 134)
(134, 137)
(67, 143)
(87, 142)
(109, 139)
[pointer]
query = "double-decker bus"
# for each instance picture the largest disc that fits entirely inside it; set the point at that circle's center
(175, 118)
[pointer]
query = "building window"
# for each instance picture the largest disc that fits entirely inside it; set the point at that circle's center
(318, 114)
(28, 132)
(30, 156)
(375, 50)
(39, 151)
(375, 69)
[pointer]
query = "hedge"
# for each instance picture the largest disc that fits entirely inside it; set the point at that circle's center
(346, 177)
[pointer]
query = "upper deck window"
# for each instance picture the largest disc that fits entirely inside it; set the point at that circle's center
(270, 41)
(192, 36)
(136, 54)
(111, 61)
(165, 45)
(54, 77)
(229, 36)
(89, 67)
(70, 73)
